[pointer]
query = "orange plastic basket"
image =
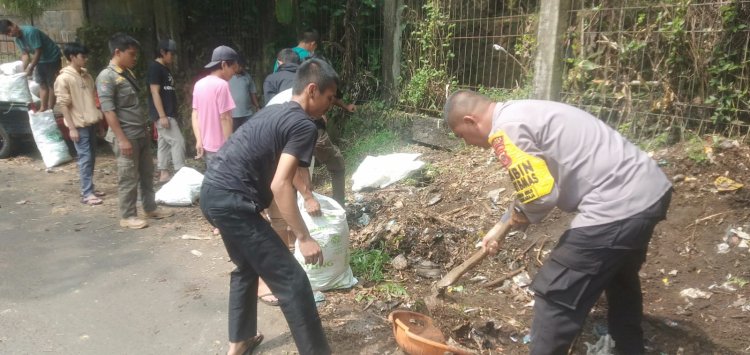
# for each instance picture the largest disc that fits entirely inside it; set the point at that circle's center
(416, 335)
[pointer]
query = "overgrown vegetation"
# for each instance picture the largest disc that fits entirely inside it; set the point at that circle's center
(428, 76)
(651, 68)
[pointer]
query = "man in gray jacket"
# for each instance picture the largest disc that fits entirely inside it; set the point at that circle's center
(560, 156)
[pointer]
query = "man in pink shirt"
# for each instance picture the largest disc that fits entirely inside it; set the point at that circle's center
(213, 103)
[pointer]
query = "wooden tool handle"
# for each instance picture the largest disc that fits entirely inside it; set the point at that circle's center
(497, 233)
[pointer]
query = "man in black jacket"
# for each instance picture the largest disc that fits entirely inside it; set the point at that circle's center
(283, 79)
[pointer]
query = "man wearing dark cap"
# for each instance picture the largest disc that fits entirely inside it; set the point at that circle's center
(213, 103)
(163, 110)
(253, 171)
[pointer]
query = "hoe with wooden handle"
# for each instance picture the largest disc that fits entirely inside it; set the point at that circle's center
(497, 233)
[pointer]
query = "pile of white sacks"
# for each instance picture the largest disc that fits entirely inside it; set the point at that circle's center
(15, 86)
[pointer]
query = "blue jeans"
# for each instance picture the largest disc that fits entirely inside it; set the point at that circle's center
(86, 148)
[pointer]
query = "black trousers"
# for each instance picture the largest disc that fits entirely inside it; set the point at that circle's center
(256, 250)
(586, 262)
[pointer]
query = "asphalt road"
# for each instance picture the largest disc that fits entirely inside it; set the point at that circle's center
(73, 282)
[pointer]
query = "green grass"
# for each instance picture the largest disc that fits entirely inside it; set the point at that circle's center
(370, 264)
(375, 143)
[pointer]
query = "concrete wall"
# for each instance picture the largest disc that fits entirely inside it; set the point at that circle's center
(61, 22)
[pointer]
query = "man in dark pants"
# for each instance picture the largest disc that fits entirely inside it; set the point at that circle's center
(560, 156)
(254, 170)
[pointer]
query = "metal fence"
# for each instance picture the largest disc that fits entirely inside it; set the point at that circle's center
(652, 69)
(661, 69)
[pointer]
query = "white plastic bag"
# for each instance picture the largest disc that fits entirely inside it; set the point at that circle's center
(182, 190)
(15, 88)
(332, 234)
(48, 139)
(381, 171)
(34, 88)
(11, 68)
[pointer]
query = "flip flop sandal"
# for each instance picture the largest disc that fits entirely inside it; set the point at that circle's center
(272, 303)
(91, 200)
(254, 342)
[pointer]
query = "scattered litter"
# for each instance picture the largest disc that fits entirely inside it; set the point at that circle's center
(435, 199)
(673, 273)
(399, 262)
(522, 279)
(665, 281)
(694, 293)
(722, 248)
(381, 171)
(398, 205)
(725, 184)
(428, 269)
(728, 144)
(678, 178)
(478, 279)
(22, 202)
(670, 323)
(494, 195)
(196, 253)
(526, 339)
(319, 296)
(364, 219)
(739, 232)
(193, 237)
(471, 310)
(604, 346)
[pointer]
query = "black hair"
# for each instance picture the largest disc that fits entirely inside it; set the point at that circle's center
(73, 49)
(217, 66)
(315, 71)
(122, 42)
(309, 35)
(288, 56)
(5, 25)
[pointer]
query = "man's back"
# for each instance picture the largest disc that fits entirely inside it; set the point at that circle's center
(279, 81)
(211, 98)
(594, 170)
(242, 86)
(32, 38)
(247, 162)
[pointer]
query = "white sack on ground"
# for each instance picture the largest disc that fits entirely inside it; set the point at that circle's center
(182, 190)
(381, 171)
(48, 139)
(331, 231)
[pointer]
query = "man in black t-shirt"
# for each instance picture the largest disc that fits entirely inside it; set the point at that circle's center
(252, 171)
(163, 110)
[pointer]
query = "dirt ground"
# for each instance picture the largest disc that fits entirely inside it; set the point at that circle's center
(439, 215)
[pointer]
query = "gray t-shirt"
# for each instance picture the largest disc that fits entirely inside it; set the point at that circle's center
(241, 86)
(560, 156)
(118, 92)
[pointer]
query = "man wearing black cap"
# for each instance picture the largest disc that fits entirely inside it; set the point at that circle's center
(163, 110)
(213, 103)
(253, 171)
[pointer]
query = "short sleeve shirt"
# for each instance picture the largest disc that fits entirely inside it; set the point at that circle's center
(242, 86)
(247, 163)
(32, 38)
(211, 98)
(118, 92)
(158, 74)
